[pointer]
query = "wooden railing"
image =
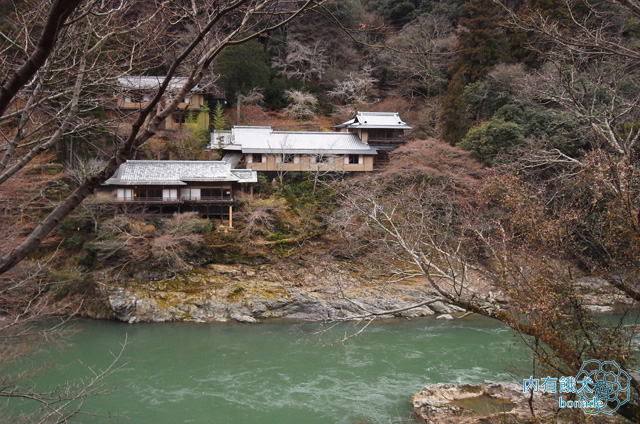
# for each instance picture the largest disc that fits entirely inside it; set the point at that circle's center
(207, 198)
(204, 199)
(386, 139)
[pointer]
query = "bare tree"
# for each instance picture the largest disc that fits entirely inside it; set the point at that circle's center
(355, 89)
(253, 97)
(603, 95)
(591, 64)
(74, 81)
(303, 61)
(62, 60)
(55, 19)
(514, 252)
(302, 104)
(214, 27)
(420, 54)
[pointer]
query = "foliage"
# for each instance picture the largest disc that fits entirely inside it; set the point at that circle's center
(219, 120)
(293, 214)
(491, 138)
(242, 68)
(482, 44)
(219, 124)
(397, 12)
(193, 139)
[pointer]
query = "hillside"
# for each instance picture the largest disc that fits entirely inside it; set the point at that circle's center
(517, 197)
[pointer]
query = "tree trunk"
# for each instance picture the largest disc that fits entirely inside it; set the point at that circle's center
(60, 11)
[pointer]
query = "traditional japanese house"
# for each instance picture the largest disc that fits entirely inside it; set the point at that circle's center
(263, 149)
(206, 187)
(384, 131)
(138, 91)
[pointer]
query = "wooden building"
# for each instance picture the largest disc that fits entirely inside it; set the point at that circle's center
(206, 187)
(137, 91)
(384, 131)
(263, 149)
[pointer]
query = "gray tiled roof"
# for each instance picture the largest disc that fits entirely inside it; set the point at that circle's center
(265, 140)
(390, 120)
(159, 172)
(244, 175)
(139, 82)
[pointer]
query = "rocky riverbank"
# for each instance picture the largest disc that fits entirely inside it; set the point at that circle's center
(251, 293)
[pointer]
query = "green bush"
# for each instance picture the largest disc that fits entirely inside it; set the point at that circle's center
(75, 241)
(88, 256)
(491, 138)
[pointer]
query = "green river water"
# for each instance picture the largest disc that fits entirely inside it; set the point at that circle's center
(278, 372)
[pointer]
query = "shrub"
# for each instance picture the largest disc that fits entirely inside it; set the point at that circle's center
(491, 138)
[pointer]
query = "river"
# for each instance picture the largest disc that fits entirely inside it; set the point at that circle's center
(278, 372)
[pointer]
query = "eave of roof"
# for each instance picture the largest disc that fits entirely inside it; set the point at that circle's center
(391, 120)
(369, 151)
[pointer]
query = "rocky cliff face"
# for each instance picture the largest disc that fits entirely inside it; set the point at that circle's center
(251, 293)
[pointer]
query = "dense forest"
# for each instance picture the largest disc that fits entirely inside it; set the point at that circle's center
(522, 172)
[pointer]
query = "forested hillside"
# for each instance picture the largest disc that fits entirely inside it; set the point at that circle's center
(519, 184)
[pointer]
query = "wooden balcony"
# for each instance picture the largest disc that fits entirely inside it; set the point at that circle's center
(176, 201)
(208, 199)
(386, 140)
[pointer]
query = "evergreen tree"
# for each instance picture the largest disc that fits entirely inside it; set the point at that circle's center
(482, 44)
(242, 68)
(219, 123)
(219, 120)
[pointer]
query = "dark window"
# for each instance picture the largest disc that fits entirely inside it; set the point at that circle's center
(215, 193)
(287, 158)
(180, 118)
(136, 96)
(211, 193)
(354, 159)
(147, 193)
(385, 134)
(322, 159)
(256, 158)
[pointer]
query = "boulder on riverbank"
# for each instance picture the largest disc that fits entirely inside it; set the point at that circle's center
(473, 404)
(494, 402)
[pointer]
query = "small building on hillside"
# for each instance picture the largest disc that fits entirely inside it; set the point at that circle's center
(384, 131)
(263, 149)
(138, 91)
(166, 187)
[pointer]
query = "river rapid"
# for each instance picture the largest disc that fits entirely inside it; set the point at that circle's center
(276, 372)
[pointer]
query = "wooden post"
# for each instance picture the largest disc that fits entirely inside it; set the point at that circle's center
(230, 216)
